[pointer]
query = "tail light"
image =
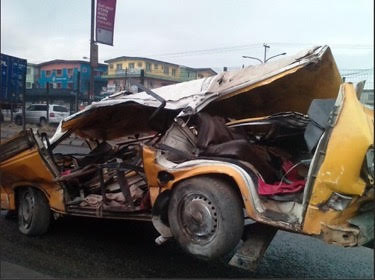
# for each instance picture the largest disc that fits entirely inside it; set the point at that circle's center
(51, 115)
(339, 202)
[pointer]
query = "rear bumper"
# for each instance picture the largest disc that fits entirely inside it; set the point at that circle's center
(358, 232)
(55, 120)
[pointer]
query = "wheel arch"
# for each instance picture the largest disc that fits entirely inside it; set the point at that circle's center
(21, 185)
(225, 177)
(161, 204)
(234, 176)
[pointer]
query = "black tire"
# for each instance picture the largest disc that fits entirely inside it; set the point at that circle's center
(42, 122)
(34, 214)
(18, 120)
(206, 217)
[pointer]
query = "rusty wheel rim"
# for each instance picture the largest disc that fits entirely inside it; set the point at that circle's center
(198, 218)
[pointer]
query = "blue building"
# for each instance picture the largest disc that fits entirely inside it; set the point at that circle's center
(67, 74)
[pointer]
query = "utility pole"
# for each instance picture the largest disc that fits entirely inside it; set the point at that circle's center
(48, 102)
(24, 104)
(78, 89)
(1, 120)
(265, 59)
(265, 52)
(24, 110)
(92, 52)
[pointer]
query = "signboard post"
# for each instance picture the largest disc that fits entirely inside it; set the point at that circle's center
(94, 56)
(105, 21)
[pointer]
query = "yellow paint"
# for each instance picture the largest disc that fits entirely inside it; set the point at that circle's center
(152, 169)
(291, 90)
(28, 169)
(351, 137)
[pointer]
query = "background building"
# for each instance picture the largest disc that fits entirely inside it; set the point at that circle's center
(32, 75)
(71, 74)
(156, 73)
(204, 72)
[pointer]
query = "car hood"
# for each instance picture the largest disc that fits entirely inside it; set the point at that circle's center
(287, 84)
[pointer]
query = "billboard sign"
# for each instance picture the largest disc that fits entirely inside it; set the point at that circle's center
(105, 21)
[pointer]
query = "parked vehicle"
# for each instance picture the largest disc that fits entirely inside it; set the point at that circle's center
(283, 145)
(37, 114)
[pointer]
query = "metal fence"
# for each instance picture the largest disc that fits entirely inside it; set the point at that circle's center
(357, 75)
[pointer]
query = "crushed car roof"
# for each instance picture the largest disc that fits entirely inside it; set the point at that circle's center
(229, 93)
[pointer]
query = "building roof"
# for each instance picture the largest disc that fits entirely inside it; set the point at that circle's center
(12, 56)
(138, 58)
(206, 69)
(67, 61)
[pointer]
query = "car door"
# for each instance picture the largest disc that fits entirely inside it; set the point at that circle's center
(41, 113)
(60, 112)
(25, 161)
(30, 114)
(340, 188)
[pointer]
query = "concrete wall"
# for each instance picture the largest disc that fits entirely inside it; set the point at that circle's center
(32, 75)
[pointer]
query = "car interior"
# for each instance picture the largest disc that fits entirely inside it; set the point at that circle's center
(110, 179)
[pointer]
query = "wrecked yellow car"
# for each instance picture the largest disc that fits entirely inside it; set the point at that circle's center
(218, 163)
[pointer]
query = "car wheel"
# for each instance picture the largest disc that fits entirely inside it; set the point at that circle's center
(34, 214)
(206, 217)
(42, 122)
(18, 120)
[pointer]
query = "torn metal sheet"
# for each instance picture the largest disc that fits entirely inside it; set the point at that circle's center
(257, 239)
(130, 113)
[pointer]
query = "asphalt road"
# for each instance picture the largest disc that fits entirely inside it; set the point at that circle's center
(84, 247)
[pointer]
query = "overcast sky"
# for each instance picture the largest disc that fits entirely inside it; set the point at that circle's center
(196, 33)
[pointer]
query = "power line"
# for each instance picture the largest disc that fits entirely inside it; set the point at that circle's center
(254, 46)
(337, 46)
(208, 51)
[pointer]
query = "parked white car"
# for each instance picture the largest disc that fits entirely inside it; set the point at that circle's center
(37, 114)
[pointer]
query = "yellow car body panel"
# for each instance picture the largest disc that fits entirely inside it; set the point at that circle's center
(156, 187)
(292, 89)
(28, 169)
(351, 137)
